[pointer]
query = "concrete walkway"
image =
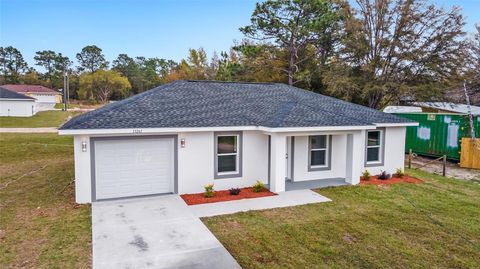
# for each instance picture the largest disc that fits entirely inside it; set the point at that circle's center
(284, 199)
(155, 232)
(29, 130)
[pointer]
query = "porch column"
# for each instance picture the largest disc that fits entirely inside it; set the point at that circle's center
(277, 162)
(355, 156)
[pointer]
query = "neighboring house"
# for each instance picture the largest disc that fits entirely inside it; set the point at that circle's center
(179, 137)
(13, 104)
(46, 98)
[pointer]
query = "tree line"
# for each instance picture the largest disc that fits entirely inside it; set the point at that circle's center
(373, 52)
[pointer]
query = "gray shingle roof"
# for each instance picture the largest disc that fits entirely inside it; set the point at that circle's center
(7, 94)
(215, 104)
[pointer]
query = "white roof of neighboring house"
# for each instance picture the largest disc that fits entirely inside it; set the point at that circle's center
(402, 109)
(458, 108)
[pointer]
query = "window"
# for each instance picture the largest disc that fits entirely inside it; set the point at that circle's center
(319, 152)
(374, 151)
(227, 155)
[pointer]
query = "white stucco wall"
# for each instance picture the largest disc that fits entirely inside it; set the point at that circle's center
(350, 167)
(196, 162)
(83, 186)
(278, 162)
(394, 151)
(44, 98)
(17, 108)
(354, 158)
(338, 162)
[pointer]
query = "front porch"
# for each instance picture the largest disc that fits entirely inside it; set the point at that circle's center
(314, 184)
(313, 160)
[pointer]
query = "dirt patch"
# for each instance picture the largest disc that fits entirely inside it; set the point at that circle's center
(374, 180)
(349, 238)
(222, 196)
(453, 170)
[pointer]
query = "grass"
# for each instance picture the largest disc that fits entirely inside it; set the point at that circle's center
(51, 118)
(79, 104)
(61, 105)
(431, 225)
(40, 225)
(434, 224)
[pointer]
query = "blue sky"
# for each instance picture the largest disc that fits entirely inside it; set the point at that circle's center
(162, 28)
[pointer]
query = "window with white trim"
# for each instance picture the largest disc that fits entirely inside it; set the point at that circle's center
(227, 155)
(374, 154)
(319, 157)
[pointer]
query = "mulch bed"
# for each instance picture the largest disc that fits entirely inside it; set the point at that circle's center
(222, 196)
(375, 181)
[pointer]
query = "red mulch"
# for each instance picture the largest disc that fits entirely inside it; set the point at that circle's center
(221, 196)
(375, 181)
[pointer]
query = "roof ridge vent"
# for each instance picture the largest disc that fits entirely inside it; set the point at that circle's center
(231, 82)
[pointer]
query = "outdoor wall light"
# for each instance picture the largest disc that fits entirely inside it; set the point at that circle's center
(84, 146)
(182, 142)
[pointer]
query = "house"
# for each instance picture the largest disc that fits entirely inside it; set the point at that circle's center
(46, 98)
(178, 137)
(13, 104)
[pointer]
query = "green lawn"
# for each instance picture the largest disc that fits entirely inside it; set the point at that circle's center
(61, 105)
(52, 118)
(434, 225)
(40, 225)
(431, 225)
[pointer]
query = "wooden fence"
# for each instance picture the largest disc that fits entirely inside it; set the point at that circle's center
(470, 154)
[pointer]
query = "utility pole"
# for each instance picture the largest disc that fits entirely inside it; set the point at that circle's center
(68, 89)
(65, 90)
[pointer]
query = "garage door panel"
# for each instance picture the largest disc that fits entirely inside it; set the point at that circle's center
(44, 98)
(133, 167)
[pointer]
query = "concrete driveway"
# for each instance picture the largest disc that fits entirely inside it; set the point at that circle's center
(155, 232)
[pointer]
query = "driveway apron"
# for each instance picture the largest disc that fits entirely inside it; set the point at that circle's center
(154, 232)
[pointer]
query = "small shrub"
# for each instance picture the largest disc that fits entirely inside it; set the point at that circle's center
(366, 175)
(209, 192)
(234, 191)
(384, 175)
(399, 173)
(258, 187)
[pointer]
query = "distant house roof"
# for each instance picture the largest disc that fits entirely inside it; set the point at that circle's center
(22, 88)
(402, 109)
(452, 107)
(226, 104)
(7, 94)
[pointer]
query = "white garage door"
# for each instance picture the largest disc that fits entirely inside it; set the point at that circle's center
(133, 167)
